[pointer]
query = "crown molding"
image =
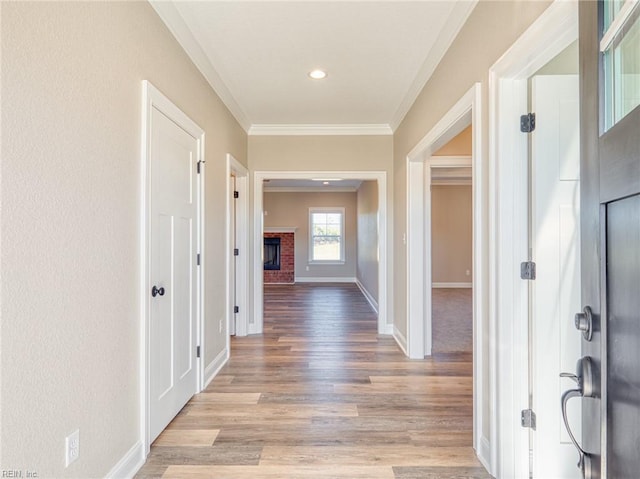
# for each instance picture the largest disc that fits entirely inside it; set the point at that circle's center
(171, 17)
(316, 130)
(309, 189)
(454, 24)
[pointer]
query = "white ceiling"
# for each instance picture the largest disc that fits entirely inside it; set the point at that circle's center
(257, 54)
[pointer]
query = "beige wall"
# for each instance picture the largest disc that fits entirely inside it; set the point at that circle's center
(292, 209)
(317, 153)
(491, 29)
(460, 145)
(70, 332)
(451, 234)
(368, 264)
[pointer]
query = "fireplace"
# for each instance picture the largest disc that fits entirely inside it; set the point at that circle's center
(279, 257)
(272, 254)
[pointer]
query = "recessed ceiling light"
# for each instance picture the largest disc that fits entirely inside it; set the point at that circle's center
(326, 179)
(318, 74)
(325, 182)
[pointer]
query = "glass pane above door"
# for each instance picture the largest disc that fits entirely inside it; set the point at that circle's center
(622, 70)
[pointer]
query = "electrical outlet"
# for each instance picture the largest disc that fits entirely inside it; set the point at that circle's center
(220, 326)
(468, 273)
(307, 268)
(72, 447)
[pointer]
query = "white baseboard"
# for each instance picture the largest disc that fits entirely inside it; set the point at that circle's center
(451, 285)
(129, 464)
(400, 339)
(214, 367)
(323, 279)
(367, 295)
(484, 454)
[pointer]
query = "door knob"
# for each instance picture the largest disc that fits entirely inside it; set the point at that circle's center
(155, 291)
(585, 388)
(584, 323)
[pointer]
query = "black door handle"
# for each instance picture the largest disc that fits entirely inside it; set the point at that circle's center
(157, 291)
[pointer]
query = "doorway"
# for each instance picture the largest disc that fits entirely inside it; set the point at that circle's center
(237, 249)
(535, 256)
(171, 252)
(417, 344)
(380, 177)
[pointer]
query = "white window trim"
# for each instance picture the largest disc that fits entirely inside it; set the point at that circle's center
(618, 24)
(327, 209)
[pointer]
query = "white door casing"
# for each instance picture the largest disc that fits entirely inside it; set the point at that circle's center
(466, 111)
(173, 153)
(237, 224)
(384, 247)
(555, 150)
(551, 33)
(233, 287)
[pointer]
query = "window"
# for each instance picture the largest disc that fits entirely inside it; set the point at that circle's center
(620, 47)
(326, 235)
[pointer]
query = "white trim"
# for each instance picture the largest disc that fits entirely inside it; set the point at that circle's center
(324, 279)
(319, 130)
(129, 464)
(618, 24)
(445, 38)
(551, 33)
(452, 285)
(214, 367)
(242, 242)
(153, 98)
(451, 162)
(327, 209)
(484, 452)
(400, 340)
(310, 189)
(468, 110)
(443, 182)
(369, 297)
(169, 14)
(280, 229)
(385, 251)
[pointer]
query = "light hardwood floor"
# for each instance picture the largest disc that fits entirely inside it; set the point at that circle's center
(320, 395)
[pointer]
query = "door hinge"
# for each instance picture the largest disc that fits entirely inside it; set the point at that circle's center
(236, 194)
(197, 351)
(236, 251)
(236, 309)
(528, 270)
(198, 259)
(198, 166)
(528, 123)
(528, 419)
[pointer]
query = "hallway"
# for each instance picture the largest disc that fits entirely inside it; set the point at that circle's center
(320, 395)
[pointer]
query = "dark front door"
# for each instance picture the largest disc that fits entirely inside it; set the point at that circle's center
(610, 233)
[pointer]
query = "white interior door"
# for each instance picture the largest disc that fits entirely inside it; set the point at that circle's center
(173, 247)
(556, 252)
(234, 259)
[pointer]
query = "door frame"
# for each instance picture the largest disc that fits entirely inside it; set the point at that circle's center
(242, 241)
(551, 33)
(153, 98)
(466, 111)
(383, 237)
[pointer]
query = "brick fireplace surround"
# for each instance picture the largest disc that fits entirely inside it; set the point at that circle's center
(286, 274)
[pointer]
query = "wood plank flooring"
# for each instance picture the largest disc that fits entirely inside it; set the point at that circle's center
(320, 395)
